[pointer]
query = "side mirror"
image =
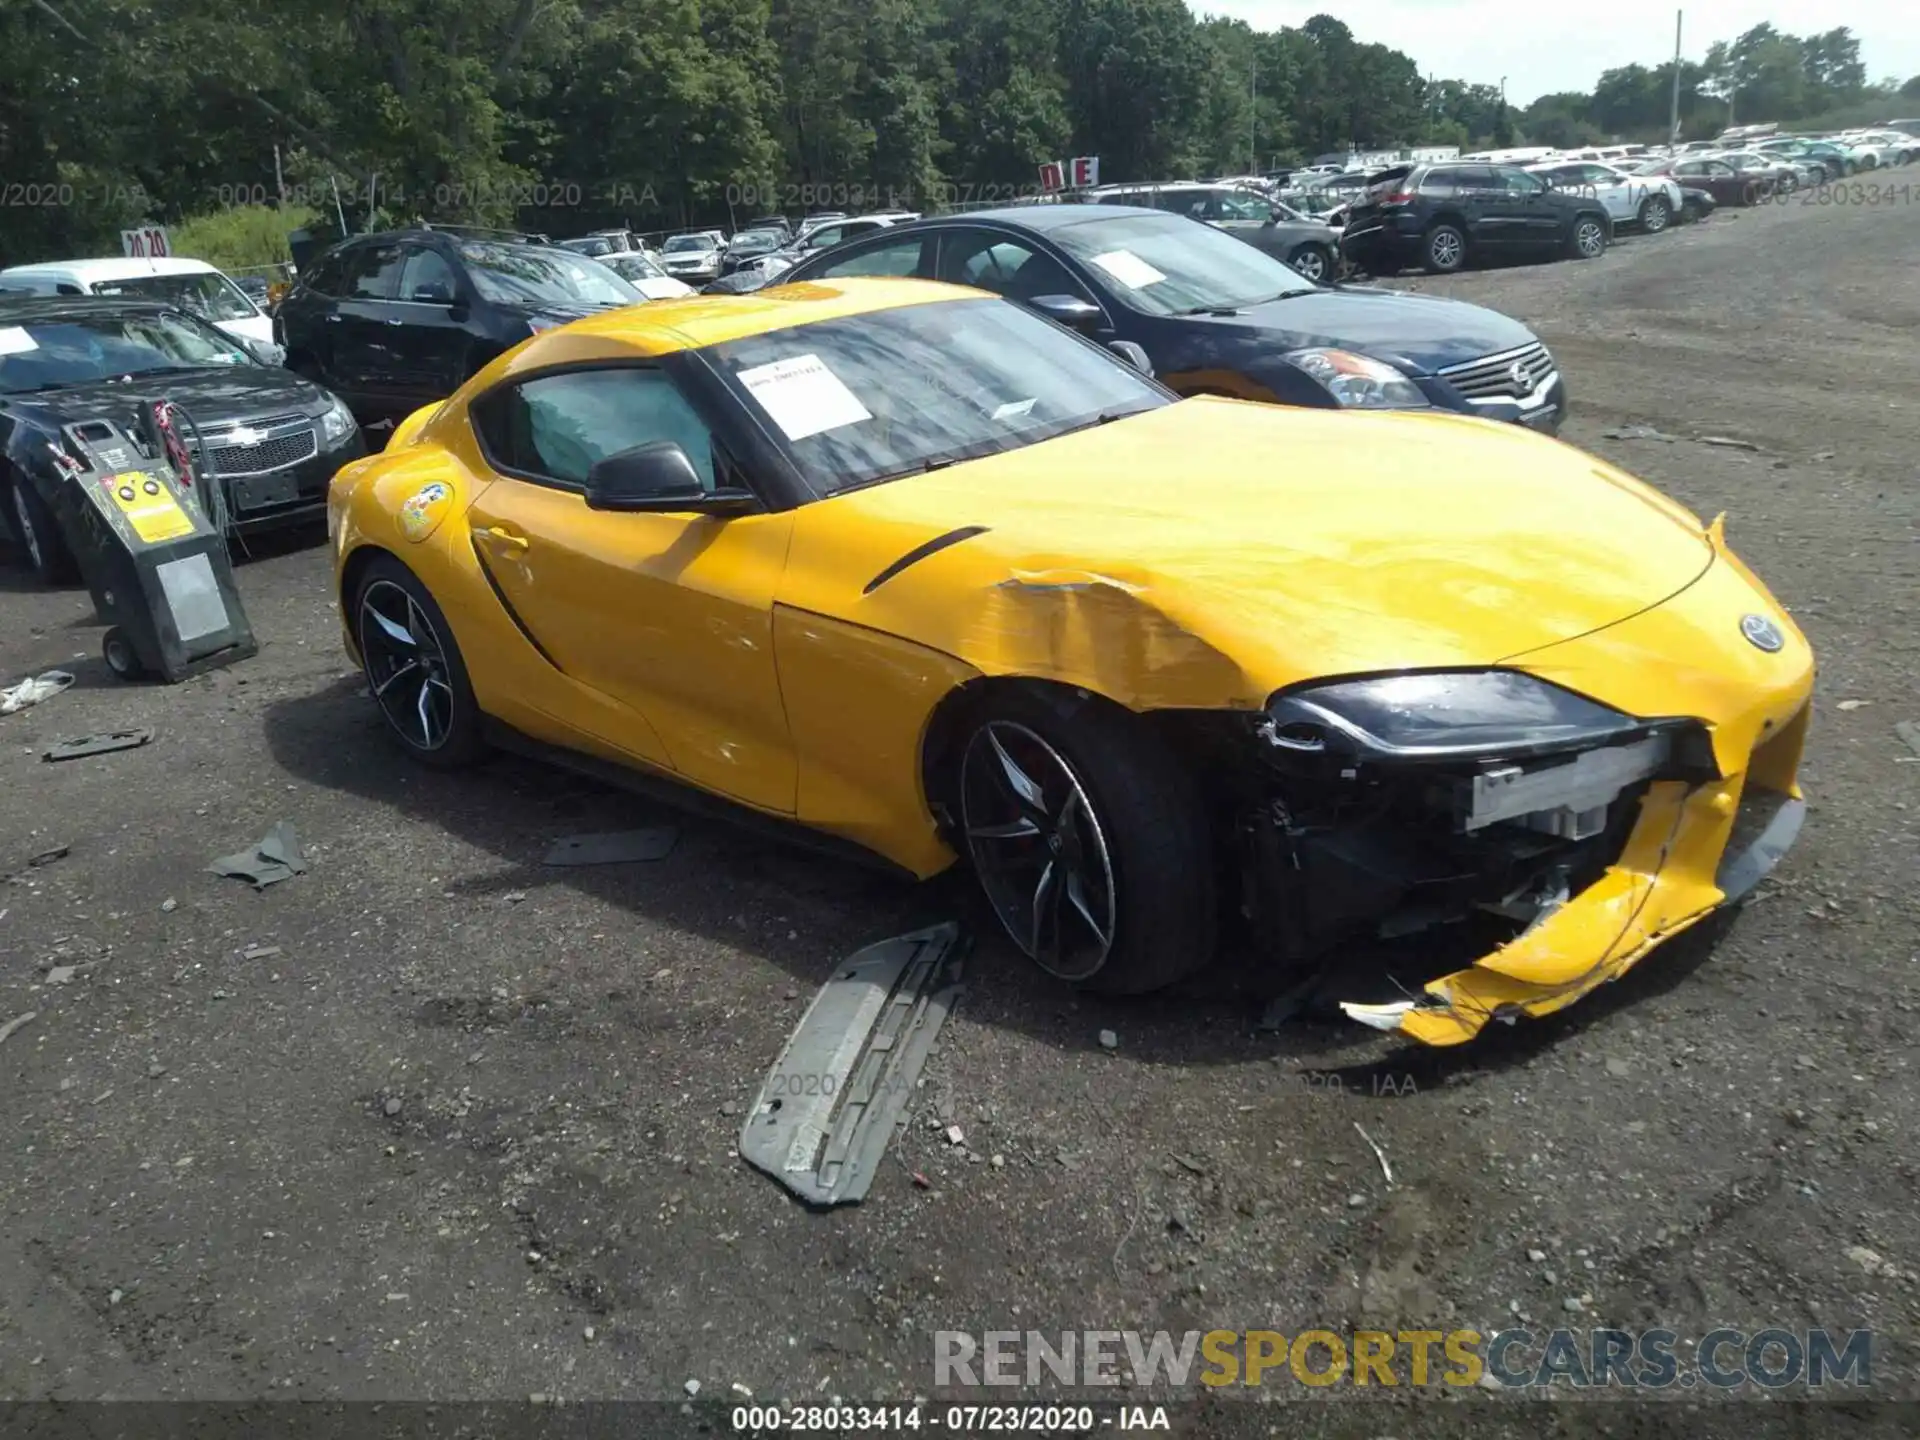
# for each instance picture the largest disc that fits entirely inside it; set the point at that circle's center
(1133, 355)
(659, 479)
(267, 352)
(1069, 310)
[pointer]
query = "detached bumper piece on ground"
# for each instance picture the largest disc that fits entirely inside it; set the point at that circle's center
(841, 1088)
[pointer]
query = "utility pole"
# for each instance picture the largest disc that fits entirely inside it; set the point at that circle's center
(1253, 114)
(279, 180)
(1673, 136)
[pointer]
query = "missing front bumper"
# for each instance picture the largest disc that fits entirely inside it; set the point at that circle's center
(1691, 853)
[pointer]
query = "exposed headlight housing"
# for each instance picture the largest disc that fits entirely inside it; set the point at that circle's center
(1441, 715)
(1357, 382)
(338, 422)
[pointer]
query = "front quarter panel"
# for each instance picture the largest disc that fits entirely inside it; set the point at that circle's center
(400, 502)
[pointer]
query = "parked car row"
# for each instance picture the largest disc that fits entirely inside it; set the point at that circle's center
(886, 496)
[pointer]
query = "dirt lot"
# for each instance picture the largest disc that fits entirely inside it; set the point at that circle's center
(465, 1128)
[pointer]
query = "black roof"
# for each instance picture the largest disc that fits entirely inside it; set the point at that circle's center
(17, 308)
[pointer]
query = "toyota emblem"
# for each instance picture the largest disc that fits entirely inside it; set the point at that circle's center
(1762, 633)
(1522, 381)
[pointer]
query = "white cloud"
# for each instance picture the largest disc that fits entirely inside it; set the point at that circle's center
(1541, 49)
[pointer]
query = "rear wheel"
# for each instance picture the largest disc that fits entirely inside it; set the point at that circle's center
(1089, 839)
(1656, 213)
(413, 667)
(39, 536)
(1588, 238)
(1445, 250)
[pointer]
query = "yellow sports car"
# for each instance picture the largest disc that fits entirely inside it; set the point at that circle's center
(910, 566)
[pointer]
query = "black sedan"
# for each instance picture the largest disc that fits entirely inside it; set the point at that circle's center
(1218, 317)
(395, 321)
(274, 438)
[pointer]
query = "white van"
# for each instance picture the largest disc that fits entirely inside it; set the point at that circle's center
(193, 285)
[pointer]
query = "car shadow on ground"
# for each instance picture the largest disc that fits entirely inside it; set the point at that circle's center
(513, 808)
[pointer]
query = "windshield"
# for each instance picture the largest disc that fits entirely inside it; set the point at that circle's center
(208, 294)
(1167, 265)
(681, 244)
(632, 265)
(524, 275)
(753, 242)
(68, 350)
(895, 392)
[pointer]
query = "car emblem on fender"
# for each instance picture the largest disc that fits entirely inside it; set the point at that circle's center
(1522, 381)
(1762, 633)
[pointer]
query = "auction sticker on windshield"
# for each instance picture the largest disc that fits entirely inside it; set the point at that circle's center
(1129, 269)
(16, 341)
(803, 396)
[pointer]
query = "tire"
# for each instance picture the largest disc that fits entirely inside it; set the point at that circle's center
(39, 535)
(1314, 262)
(1587, 237)
(1848, 168)
(1656, 214)
(435, 720)
(1444, 250)
(1045, 788)
(120, 655)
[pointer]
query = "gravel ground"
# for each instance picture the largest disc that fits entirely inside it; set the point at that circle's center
(433, 1121)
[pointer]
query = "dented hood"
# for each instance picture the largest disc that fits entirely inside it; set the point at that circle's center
(1209, 552)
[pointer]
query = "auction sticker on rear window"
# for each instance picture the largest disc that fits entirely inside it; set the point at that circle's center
(1129, 269)
(16, 341)
(803, 396)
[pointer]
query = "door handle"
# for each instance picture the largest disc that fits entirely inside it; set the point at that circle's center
(504, 537)
(332, 318)
(395, 321)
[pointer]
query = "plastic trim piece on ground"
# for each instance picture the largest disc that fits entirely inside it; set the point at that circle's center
(841, 1087)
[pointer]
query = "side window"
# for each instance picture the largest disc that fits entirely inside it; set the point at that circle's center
(1005, 266)
(426, 277)
(372, 273)
(1477, 177)
(826, 235)
(555, 427)
(324, 278)
(1237, 205)
(1440, 182)
(902, 257)
(1518, 182)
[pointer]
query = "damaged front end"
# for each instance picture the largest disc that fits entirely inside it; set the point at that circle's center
(1468, 814)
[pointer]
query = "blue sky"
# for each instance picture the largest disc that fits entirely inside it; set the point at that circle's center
(1541, 49)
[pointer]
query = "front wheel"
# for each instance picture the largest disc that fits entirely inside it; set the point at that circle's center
(1656, 213)
(1445, 249)
(1090, 841)
(413, 667)
(1313, 263)
(1588, 240)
